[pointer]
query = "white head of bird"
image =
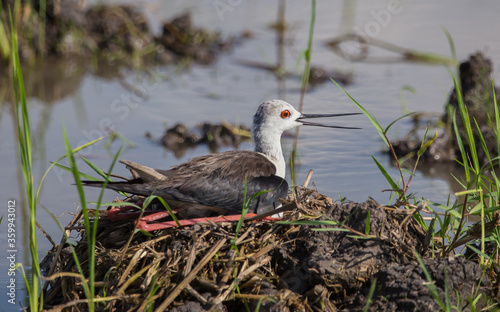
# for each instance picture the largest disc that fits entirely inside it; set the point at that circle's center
(213, 182)
(272, 118)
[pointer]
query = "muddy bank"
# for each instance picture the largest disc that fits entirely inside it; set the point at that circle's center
(477, 93)
(60, 47)
(278, 266)
(119, 33)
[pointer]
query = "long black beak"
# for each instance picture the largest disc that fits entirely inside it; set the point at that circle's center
(308, 116)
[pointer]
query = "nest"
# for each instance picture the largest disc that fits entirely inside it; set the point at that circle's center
(269, 265)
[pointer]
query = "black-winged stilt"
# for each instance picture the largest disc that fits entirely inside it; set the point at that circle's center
(215, 183)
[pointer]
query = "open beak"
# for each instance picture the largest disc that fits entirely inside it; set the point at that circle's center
(308, 116)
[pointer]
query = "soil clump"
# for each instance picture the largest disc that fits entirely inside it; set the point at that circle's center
(180, 138)
(477, 94)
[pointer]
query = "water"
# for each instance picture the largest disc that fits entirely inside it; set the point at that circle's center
(341, 159)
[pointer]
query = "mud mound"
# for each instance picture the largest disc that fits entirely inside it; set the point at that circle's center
(180, 138)
(186, 40)
(404, 287)
(115, 33)
(323, 257)
(345, 259)
(477, 93)
(116, 29)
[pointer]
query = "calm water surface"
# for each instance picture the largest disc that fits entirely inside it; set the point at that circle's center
(341, 159)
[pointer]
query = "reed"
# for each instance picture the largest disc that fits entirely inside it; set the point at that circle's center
(25, 148)
(34, 281)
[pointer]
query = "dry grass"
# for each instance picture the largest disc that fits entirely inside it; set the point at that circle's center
(285, 267)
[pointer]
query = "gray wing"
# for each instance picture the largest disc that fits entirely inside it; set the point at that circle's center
(213, 180)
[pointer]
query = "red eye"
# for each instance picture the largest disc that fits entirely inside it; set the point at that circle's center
(285, 113)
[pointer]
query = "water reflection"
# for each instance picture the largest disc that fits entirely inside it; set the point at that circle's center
(49, 81)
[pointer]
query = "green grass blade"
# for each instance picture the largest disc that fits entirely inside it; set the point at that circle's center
(482, 141)
(367, 224)
(393, 184)
(164, 203)
(81, 193)
(93, 236)
(311, 222)
(335, 230)
(5, 49)
(117, 204)
(402, 98)
(451, 43)
(244, 210)
(450, 210)
(369, 301)
(308, 51)
(477, 210)
(446, 291)
(85, 285)
(68, 169)
(479, 252)
(398, 119)
(75, 150)
(374, 121)
(431, 286)
(461, 147)
(426, 145)
(247, 207)
(497, 117)
(97, 169)
(467, 124)
(24, 135)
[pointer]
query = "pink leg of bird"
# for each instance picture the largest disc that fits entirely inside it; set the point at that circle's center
(145, 223)
(129, 212)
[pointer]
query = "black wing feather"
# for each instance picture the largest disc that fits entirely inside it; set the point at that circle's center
(215, 180)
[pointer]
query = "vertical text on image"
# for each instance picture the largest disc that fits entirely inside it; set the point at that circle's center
(11, 250)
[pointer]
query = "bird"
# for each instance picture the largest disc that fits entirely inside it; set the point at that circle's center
(222, 183)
